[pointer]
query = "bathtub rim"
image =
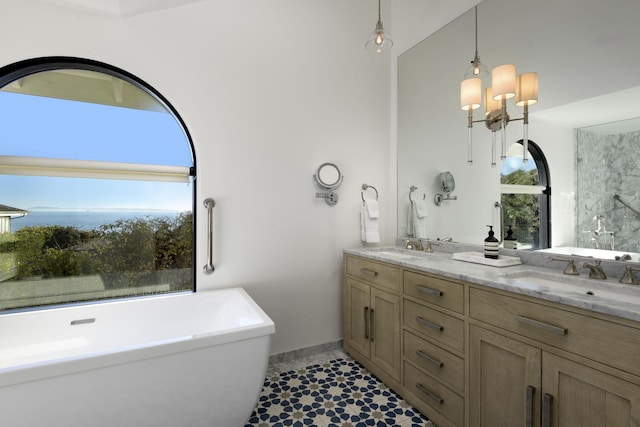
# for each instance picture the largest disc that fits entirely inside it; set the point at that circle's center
(121, 355)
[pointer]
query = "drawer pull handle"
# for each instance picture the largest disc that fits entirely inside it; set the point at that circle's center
(368, 272)
(547, 327)
(429, 291)
(366, 323)
(429, 394)
(529, 408)
(546, 410)
(429, 324)
(429, 359)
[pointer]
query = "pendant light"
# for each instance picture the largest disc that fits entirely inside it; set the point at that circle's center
(477, 68)
(379, 39)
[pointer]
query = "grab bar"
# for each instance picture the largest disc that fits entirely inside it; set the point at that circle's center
(617, 197)
(498, 206)
(209, 204)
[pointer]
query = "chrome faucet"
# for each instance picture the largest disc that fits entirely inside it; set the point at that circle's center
(600, 234)
(445, 239)
(595, 270)
(628, 278)
(430, 244)
(413, 245)
(571, 267)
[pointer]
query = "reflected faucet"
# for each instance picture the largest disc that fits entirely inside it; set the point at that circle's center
(600, 232)
(413, 245)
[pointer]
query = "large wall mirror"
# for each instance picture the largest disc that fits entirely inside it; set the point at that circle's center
(584, 52)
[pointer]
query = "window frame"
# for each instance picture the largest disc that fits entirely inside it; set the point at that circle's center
(15, 71)
(543, 189)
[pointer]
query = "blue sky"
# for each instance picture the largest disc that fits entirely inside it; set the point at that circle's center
(46, 127)
(511, 164)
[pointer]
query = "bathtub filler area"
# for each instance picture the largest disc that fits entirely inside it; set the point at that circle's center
(196, 359)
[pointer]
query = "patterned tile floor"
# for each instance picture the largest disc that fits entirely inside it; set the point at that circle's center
(335, 393)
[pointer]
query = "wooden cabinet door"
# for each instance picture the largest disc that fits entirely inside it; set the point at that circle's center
(357, 316)
(576, 395)
(505, 381)
(385, 332)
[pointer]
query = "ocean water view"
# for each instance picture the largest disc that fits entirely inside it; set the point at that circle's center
(83, 220)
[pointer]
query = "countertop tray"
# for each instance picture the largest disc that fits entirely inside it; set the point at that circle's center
(478, 258)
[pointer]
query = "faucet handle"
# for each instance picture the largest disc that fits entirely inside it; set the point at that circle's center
(571, 267)
(628, 278)
(430, 245)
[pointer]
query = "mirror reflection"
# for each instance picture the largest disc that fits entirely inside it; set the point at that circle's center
(584, 57)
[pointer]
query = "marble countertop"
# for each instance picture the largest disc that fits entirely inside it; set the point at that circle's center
(602, 296)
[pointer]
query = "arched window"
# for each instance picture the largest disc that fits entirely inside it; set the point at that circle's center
(97, 176)
(526, 195)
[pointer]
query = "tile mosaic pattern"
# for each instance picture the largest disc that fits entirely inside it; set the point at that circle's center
(336, 393)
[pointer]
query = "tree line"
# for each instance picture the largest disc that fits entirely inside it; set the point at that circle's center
(131, 252)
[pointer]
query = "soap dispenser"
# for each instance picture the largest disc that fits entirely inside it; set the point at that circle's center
(491, 245)
(510, 241)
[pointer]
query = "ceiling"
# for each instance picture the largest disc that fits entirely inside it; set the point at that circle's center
(121, 8)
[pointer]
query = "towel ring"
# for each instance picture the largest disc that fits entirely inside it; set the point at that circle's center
(411, 190)
(365, 187)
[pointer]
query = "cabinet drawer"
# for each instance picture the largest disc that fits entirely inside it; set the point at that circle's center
(437, 396)
(380, 274)
(435, 290)
(443, 365)
(607, 342)
(436, 325)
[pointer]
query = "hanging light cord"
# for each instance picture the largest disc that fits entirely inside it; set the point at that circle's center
(476, 10)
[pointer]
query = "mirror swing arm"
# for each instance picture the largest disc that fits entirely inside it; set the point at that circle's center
(448, 184)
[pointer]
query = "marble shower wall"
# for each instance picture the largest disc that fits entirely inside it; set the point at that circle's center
(608, 165)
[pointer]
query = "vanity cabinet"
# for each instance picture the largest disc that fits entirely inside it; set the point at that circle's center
(542, 369)
(470, 355)
(371, 313)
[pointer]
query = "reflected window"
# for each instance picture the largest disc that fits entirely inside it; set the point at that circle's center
(97, 172)
(525, 196)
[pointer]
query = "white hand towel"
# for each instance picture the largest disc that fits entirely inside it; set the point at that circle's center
(363, 213)
(372, 208)
(421, 208)
(419, 212)
(369, 214)
(410, 215)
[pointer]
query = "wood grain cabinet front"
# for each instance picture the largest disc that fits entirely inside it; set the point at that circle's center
(435, 290)
(530, 384)
(371, 324)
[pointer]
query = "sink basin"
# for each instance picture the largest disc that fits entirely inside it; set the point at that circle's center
(575, 285)
(397, 253)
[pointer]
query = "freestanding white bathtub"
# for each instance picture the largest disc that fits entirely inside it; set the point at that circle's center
(196, 359)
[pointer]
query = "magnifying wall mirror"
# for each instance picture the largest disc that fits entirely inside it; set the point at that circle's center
(328, 178)
(447, 184)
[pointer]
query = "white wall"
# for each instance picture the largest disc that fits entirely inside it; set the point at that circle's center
(269, 91)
